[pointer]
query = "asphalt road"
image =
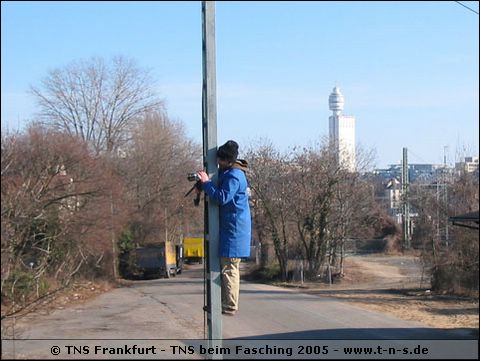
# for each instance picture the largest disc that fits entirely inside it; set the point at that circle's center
(172, 309)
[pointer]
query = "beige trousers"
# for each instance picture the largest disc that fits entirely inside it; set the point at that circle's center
(230, 283)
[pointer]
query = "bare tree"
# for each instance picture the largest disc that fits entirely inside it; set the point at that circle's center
(154, 169)
(96, 101)
(449, 252)
(268, 177)
(54, 219)
(315, 175)
(354, 213)
(308, 204)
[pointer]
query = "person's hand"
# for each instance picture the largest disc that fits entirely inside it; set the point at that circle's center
(203, 176)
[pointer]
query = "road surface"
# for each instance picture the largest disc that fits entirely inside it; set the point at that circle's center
(172, 309)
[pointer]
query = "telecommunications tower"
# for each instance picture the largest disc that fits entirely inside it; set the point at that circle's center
(341, 131)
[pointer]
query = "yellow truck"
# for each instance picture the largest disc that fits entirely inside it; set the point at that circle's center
(193, 249)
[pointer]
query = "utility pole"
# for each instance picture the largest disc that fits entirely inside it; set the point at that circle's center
(445, 191)
(209, 127)
(112, 232)
(405, 202)
(166, 229)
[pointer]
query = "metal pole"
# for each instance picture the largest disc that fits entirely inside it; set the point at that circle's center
(112, 232)
(405, 205)
(166, 229)
(209, 126)
(445, 194)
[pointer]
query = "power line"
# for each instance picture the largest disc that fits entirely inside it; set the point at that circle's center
(465, 6)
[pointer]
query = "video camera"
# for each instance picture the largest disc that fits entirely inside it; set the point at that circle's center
(193, 177)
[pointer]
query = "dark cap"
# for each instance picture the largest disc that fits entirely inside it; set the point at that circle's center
(228, 151)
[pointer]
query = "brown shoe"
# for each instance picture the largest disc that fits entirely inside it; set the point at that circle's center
(229, 312)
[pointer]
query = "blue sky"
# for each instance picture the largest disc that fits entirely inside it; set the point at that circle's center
(408, 70)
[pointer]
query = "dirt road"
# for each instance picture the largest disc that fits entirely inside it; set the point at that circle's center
(398, 285)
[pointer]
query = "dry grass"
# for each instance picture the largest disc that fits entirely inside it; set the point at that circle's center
(397, 286)
(78, 293)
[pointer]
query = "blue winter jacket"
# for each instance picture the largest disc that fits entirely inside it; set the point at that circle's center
(235, 222)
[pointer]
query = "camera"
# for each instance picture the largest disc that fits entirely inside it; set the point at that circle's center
(193, 177)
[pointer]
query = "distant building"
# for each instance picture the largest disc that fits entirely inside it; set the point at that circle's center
(469, 165)
(341, 131)
(393, 190)
(416, 172)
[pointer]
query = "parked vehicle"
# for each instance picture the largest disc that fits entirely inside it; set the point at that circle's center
(161, 260)
(193, 249)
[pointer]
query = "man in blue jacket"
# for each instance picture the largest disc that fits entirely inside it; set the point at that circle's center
(231, 195)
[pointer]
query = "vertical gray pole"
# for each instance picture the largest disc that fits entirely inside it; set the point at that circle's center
(209, 122)
(405, 204)
(114, 246)
(445, 193)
